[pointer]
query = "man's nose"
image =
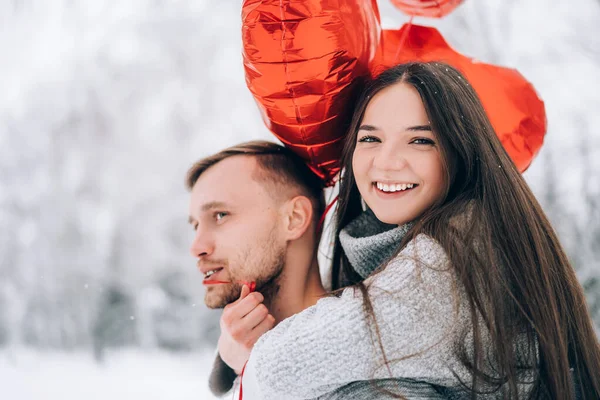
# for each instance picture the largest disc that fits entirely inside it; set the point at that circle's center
(202, 245)
(390, 158)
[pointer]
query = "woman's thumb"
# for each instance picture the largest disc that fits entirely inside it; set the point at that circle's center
(245, 291)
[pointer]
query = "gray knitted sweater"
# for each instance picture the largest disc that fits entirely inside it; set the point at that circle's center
(420, 310)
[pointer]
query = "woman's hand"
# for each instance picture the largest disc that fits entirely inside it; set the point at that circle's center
(242, 323)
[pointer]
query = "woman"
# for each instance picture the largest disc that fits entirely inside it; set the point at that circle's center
(467, 289)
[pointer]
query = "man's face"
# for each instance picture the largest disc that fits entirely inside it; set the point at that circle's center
(237, 231)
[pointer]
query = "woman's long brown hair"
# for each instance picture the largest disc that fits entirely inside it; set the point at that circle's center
(515, 273)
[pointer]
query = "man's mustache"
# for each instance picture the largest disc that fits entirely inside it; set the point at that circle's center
(211, 263)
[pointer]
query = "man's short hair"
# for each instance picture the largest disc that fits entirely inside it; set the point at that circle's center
(277, 166)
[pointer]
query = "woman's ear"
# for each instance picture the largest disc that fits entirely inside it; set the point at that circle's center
(298, 218)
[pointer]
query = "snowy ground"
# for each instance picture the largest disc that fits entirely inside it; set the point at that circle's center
(130, 375)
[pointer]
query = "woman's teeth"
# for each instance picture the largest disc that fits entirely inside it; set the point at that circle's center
(394, 187)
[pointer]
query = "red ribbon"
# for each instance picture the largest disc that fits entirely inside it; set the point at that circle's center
(322, 219)
(241, 378)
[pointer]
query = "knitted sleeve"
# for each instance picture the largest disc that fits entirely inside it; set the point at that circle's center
(333, 343)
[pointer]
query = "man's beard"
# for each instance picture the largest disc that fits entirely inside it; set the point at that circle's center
(269, 269)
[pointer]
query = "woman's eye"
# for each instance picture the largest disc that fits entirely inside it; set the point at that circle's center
(368, 139)
(426, 141)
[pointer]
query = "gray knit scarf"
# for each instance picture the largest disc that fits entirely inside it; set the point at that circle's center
(368, 242)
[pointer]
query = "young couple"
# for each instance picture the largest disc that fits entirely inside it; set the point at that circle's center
(449, 280)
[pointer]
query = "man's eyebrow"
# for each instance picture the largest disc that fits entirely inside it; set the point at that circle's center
(212, 205)
(419, 128)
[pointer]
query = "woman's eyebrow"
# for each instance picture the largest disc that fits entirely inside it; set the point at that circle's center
(371, 128)
(419, 128)
(367, 127)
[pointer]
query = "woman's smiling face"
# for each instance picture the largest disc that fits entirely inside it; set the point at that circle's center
(397, 163)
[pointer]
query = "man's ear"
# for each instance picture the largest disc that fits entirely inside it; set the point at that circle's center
(298, 218)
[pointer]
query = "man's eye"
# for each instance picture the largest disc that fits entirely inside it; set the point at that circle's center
(368, 139)
(195, 227)
(220, 215)
(426, 141)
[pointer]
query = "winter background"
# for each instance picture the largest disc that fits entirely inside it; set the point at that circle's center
(103, 107)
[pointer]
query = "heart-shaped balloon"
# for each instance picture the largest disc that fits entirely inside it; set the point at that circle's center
(427, 8)
(512, 104)
(302, 60)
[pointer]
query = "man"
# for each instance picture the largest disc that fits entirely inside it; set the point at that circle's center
(255, 208)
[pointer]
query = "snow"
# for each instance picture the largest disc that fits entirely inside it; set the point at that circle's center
(130, 374)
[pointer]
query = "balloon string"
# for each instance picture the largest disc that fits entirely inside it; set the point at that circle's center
(403, 38)
(241, 378)
(322, 220)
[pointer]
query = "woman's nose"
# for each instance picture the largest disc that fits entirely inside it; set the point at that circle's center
(390, 158)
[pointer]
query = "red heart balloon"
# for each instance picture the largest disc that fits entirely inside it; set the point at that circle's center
(512, 104)
(427, 8)
(302, 59)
